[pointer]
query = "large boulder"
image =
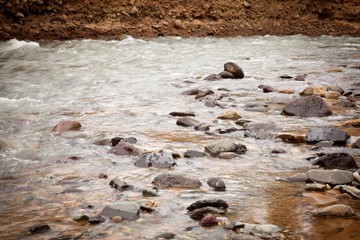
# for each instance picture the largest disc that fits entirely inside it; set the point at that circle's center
(336, 161)
(168, 180)
(310, 106)
(159, 160)
(123, 148)
(126, 210)
(334, 177)
(318, 134)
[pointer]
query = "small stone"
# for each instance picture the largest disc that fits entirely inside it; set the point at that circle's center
(208, 220)
(126, 210)
(182, 114)
(199, 213)
(193, 154)
(187, 122)
(334, 70)
(267, 88)
(217, 183)
(231, 114)
(315, 187)
(96, 220)
(117, 219)
(213, 77)
(202, 127)
(123, 148)
(168, 180)
(102, 175)
(120, 185)
(247, 4)
(66, 125)
(19, 15)
(265, 229)
(300, 78)
(165, 236)
(218, 203)
(228, 155)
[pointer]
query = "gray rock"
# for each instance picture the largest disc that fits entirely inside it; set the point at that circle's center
(182, 114)
(228, 155)
(224, 145)
(202, 127)
(187, 122)
(126, 210)
(336, 135)
(193, 154)
(265, 229)
(337, 210)
(168, 180)
(191, 92)
(213, 77)
(352, 191)
(310, 106)
(334, 177)
(336, 161)
(356, 144)
(158, 160)
(218, 203)
(226, 74)
(216, 183)
(204, 93)
(123, 148)
(120, 185)
(235, 69)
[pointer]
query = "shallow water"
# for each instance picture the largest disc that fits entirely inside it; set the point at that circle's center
(128, 88)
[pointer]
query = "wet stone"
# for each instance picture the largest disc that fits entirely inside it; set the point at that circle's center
(311, 106)
(126, 210)
(208, 220)
(334, 177)
(204, 93)
(175, 180)
(216, 183)
(165, 236)
(228, 155)
(300, 78)
(224, 145)
(96, 220)
(82, 218)
(158, 160)
(217, 203)
(187, 122)
(66, 125)
(336, 161)
(102, 175)
(213, 77)
(235, 69)
(40, 228)
(356, 144)
(352, 191)
(336, 135)
(265, 229)
(191, 92)
(199, 213)
(182, 114)
(231, 114)
(116, 140)
(337, 210)
(315, 187)
(193, 154)
(120, 185)
(123, 148)
(226, 74)
(154, 192)
(202, 127)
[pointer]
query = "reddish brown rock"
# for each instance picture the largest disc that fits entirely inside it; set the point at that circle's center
(66, 125)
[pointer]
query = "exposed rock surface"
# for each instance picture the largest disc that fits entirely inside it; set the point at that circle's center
(337, 210)
(168, 180)
(334, 177)
(123, 148)
(336, 135)
(126, 210)
(310, 106)
(336, 161)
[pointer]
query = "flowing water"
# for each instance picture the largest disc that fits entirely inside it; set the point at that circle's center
(128, 88)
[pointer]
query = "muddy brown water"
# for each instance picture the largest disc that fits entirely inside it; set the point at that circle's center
(128, 88)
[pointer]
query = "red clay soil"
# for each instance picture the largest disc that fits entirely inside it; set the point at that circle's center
(112, 19)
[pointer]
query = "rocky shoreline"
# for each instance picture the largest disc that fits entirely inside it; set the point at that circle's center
(95, 19)
(332, 181)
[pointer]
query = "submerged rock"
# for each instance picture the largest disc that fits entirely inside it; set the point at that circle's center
(126, 210)
(337, 210)
(311, 106)
(334, 177)
(123, 148)
(336, 161)
(318, 134)
(116, 140)
(120, 185)
(265, 229)
(159, 160)
(40, 228)
(66, 125)
(217, 203)
(213, 77)
(216, 183)
(168, 180)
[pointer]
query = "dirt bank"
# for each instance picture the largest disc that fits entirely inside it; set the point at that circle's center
(109, 19)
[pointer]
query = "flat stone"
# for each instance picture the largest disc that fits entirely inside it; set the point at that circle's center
(315, 187)
(310, 106)
(168, 180)
(126, 210)
(182, 114)
(193, 154)
(337, 210)
(334, 177)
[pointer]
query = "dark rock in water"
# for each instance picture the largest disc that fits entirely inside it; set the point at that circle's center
(204, 93)
(159, 160)
(336, 161)
(334, 177)
(102, 175)
(338, 136)
(199, 213)
(310, 106)
(213, 77)
(154, 192)
(202, 127)
(278, 151)
(267, 88)
(116, 140)
(209, 220)
(187, 122)
(165, 236)
(300, 78)
(123, 148)
(216, 183)
(240, 148)
(182, 114)
(346, 103)
(356, 144)
(168, 180)
(217, 203)
(96, 220)
(226, 74)
(120, 185)
(41, 228)
(227, 130)
(234, 69)
(126, 210)
(286, 77)
(193, 154)
(191, 92)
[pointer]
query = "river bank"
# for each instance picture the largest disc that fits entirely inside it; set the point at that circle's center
(95, 19)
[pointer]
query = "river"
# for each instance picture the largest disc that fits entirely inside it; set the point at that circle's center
(128, 88)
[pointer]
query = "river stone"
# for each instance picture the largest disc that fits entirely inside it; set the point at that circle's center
(315, 187)
(334, 177)
(317, 134)
(337, 210)
(191, 92)
(66, 125)
(265, 229)
(267, 88)
(187, 122)
(311, 106)
(213, 77)
(208, 220)
(182, 114)
(226, 74)
(244, 237)
(158, 160)
(336, 161)
(314, 90)
(123, 148)
(224, 145)
(217, 203)
(204, 93)
(120, 185)
(116, 140)
(202, 127)
(352, 191)
(298, 177)
(231, 114)
(228, 155)
(199, 213)
(40, 228)
(168, 180)
(216, 183)
(356, 144)
(165, 236)
(234, 69)
(193, 154)
(126, 210)
(357, 175)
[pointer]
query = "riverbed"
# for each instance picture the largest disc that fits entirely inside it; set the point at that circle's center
(128, 88)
